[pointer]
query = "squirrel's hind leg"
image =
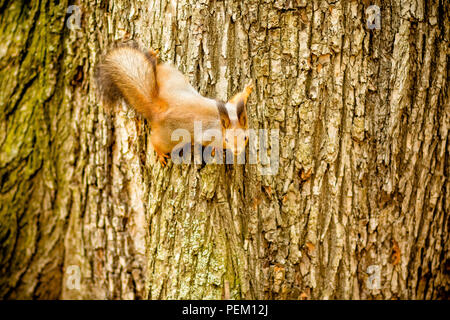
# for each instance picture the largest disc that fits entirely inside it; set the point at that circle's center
(153, 55)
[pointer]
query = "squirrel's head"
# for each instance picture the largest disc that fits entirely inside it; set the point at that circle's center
(233, 117)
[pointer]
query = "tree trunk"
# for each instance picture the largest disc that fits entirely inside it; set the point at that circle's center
(358, 208)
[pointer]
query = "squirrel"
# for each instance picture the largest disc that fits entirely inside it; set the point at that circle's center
(163, 95)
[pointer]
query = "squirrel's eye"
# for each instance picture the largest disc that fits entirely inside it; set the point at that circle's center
(246, 138)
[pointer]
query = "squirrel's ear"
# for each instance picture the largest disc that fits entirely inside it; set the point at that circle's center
(223, 113)
(241, 112)
(248, 89)
(243, 95)
(241, 100)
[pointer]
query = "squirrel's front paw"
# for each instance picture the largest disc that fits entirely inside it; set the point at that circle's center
(162, 159)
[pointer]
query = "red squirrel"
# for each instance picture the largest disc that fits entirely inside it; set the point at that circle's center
(163, 95)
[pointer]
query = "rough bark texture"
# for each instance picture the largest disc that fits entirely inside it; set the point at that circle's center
(364, 154)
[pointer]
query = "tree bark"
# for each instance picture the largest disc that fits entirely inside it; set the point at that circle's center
(362, 185)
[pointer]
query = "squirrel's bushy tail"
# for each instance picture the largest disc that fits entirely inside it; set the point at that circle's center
(128, 73)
